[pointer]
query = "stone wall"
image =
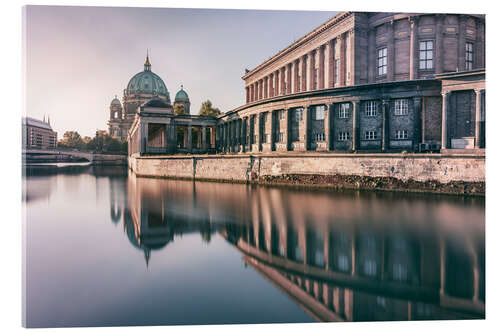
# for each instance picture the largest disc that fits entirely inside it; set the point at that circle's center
(243, 168)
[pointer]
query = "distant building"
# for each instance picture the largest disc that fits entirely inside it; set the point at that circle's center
(38, 134)
(142, 87)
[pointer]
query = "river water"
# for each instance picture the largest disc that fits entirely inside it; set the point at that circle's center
(105, 248)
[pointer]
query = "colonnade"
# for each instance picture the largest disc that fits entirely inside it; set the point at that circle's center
(303, 74)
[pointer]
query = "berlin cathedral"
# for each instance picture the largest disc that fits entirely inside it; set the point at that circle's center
(142, 87)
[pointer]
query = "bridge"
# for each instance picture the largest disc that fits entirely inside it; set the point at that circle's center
(33, 155)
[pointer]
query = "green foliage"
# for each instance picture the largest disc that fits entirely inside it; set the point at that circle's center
(101, 142)
(208, 110)
(71, 139)
(179, 109)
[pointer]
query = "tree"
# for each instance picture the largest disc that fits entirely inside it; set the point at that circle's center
(179, 109)
(71, 139)
(207, 109)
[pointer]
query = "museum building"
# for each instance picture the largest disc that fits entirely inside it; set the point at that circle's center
(367, 82)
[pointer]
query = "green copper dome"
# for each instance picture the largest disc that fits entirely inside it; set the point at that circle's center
(181, 96)
(147, 82)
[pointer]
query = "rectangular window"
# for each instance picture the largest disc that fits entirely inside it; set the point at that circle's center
(319, 137)
(371, 108)
(370, 135)
(469, 56)
(344, 110)
(337, 71)
(426, 54)
(319, 112)
(280, 137)
(401, 107)
(281, 114)
(343, 136)
(298, 115)
(401, 134)
(382, 61)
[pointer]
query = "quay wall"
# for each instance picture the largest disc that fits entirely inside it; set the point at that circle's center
(443, 168)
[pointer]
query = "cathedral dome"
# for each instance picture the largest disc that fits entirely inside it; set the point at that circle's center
(181, 96)
(147, 82)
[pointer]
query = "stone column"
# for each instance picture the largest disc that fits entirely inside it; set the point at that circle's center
(479, 57)
(321, 83)
(261, 89)
(289, 78)
(282, 79)
(265, 87)
(212, 136)
(385, 125)
(331, 63)
(352, 71)
(462, 21)
(414, 48)
(391, 55)
(331, 134)
(372, 54)
(247, 95)
(355, 125)
(257, 132)
(307, 125)
(296, 75)
(477, 140)
(311, 69)
(417, 107)
(276, 83)
(304, 73)
(326, 124)
(204, 138)
(190, 138)
(271, 80)
(439, 44)
(444, 116)
(230, 135)
(342, 60)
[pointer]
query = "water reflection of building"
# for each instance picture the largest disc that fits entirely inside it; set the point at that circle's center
(153, 216)
(345, 271)
(340, 256)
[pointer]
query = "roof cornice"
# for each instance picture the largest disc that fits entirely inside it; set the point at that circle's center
(332, 21)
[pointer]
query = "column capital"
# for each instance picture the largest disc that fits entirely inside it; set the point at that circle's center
(445, 93)
(478, 90)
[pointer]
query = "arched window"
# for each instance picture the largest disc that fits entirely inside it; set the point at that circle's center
(116, 115)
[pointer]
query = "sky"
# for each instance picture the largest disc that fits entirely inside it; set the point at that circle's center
(79, 58)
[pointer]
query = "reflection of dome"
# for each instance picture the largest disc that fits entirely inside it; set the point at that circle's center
(147, 82)
(181, 96)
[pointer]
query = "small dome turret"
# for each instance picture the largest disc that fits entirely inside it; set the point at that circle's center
(181, 96)
(116, 101)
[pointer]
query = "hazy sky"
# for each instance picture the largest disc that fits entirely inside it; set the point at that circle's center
(78, 58)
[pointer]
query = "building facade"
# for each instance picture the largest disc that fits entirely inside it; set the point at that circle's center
(142, 87)
(367, 81)
(38, 134)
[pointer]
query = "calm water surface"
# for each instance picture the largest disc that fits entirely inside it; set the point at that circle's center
(107, 248)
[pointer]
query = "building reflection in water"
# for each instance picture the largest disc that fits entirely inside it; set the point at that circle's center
(339, 256)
